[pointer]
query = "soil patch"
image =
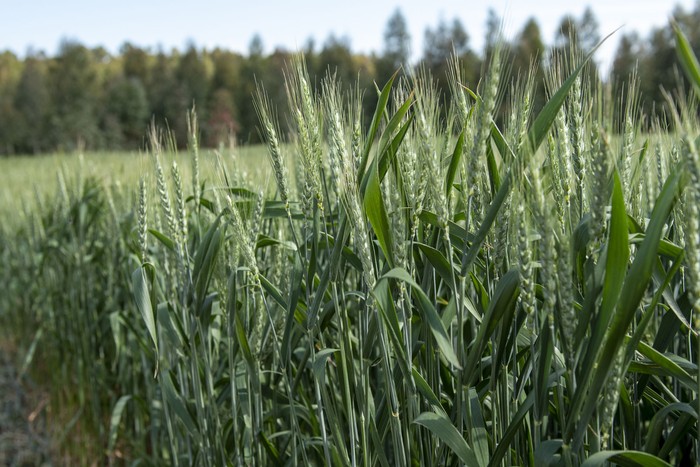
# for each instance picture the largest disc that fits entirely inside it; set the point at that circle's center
(23, 438)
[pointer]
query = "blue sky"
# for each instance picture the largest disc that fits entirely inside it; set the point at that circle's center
(42, 24)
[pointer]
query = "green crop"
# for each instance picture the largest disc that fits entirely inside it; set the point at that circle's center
(439, 288)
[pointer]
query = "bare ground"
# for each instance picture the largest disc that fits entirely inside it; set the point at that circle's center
(23, 439)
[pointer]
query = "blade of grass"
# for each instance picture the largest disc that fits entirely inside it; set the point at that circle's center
(442, 427)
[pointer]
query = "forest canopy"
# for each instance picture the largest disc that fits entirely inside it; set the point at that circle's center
(89, 98)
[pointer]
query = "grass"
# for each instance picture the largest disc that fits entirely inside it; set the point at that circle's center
(433, 289)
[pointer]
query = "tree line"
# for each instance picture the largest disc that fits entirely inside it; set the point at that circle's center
(88, 98)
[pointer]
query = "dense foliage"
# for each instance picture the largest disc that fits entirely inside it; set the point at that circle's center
(433, 288)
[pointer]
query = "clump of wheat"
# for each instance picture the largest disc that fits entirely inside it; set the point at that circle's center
(193, 134)
(271, 134)
(142, 216)
(305, 113)
(598, 183)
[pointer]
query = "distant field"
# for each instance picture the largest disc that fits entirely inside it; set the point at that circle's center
(24, 179)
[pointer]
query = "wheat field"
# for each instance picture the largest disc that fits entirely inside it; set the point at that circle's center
(440, 287)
